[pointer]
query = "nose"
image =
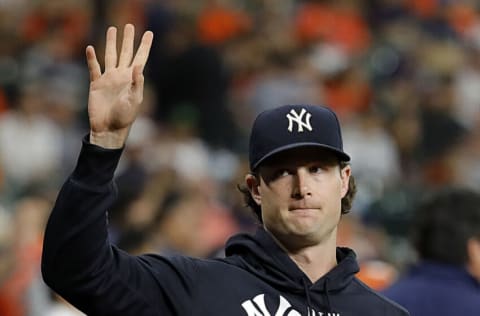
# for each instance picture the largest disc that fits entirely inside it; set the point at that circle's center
(301, 187)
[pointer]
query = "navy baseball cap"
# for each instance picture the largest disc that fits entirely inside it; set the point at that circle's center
(292, 126)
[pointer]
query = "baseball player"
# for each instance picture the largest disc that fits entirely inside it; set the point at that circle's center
(299, 185)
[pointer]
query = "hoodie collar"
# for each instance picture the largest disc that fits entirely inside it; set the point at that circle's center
(264, 257)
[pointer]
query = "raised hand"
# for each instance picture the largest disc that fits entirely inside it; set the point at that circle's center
(115, 96)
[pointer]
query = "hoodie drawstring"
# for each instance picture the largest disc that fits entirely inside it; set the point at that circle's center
(307, 294)
(309, 302)
(327, 297)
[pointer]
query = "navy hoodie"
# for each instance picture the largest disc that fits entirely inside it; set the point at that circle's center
(256, 278)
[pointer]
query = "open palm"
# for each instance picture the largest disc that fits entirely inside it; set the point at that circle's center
(115, 96)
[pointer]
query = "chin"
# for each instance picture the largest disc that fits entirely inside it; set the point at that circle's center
(304, 232)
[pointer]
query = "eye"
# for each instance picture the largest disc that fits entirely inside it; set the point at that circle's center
(317, 169)
(282, 173)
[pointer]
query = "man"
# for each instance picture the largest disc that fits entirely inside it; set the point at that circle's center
(290, 267)
(446, 235)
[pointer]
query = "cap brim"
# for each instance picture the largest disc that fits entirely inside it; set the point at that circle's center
(340, 154)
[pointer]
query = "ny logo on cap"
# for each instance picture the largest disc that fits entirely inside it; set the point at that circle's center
(299, 119)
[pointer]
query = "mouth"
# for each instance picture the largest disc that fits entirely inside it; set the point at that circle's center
(303, 210)
(301, 206)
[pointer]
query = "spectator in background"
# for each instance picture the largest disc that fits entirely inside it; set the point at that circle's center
(193, 73)
(446, 235)
(378, 169)
(21, 289)
(219, 22)
(315, 20)
(25, 132)
(467, 88)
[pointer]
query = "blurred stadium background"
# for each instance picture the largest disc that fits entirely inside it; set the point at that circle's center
(403, 75)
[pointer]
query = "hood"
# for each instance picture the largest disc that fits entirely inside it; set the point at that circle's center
(263, 257)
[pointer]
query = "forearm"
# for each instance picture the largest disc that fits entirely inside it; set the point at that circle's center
(77, 229)
(78, 261)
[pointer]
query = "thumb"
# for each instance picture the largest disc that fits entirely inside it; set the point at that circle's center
(137, 83)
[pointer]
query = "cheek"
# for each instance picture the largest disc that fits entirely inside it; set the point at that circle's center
(268, 201)
(273, 199)
(275, 192)
(339, 186)
(332, 194)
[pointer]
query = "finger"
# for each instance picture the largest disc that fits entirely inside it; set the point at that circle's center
(111, 48)
(143, 50)
(126, 52)
(138, 80)
(92, 62)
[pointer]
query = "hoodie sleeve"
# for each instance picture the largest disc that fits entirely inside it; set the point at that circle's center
(81, 265)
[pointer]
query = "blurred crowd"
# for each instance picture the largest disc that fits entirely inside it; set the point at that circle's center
(403, 76)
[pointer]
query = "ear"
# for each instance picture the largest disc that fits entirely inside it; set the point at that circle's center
(253, 184)
(473, 249)
(345, 174)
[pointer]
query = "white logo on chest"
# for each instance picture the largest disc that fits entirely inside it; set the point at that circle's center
(302, 120)
(257, 307)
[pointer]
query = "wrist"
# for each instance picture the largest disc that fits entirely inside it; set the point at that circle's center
(109, 140)
(96, 165)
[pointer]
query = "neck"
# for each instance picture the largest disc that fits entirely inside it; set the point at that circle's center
(314, 260)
